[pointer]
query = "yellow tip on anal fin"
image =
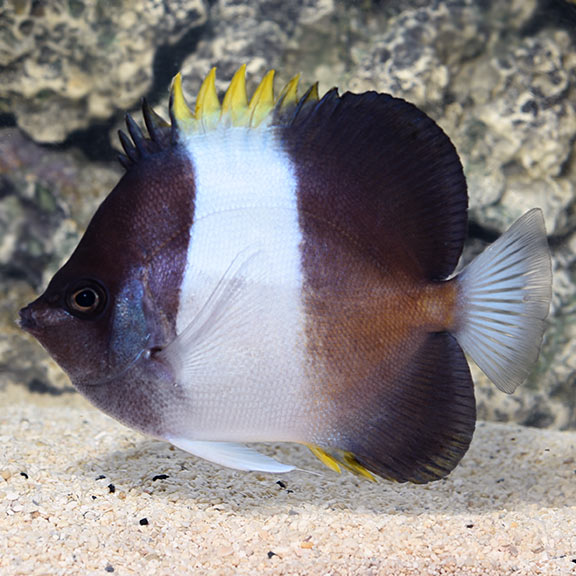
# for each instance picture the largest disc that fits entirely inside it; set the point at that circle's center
(289, 94)
(342, 458)
(178, 106)
(207, 103)
(324, 457)
(262, 101)
(350, 462)
(235, 103)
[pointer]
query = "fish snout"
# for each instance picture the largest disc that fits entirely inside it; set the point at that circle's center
(37, 316)
(28, 321)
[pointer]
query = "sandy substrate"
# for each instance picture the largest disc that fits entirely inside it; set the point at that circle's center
(81, 494)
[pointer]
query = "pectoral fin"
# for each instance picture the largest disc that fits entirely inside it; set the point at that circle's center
(225, 316)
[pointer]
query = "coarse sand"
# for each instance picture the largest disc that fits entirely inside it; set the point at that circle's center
(81, 494)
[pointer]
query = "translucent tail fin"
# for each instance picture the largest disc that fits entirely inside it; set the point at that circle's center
(505, 297)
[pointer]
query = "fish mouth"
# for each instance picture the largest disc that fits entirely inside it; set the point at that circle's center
(28, 321)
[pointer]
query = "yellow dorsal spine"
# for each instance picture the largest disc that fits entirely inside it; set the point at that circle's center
(289, 94)
(208, 108)
(179, 108)
(235, 110)
(235, 104)
(262, 101)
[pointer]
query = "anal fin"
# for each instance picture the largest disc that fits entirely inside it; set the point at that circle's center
(414, 426)
(337, 459)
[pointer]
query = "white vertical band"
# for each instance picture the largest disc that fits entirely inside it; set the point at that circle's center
(247, 385)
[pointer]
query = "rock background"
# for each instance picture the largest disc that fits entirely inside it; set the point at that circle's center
(69, 63)
(499, 77)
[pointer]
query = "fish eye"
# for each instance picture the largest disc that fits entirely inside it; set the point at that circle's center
(86, 300)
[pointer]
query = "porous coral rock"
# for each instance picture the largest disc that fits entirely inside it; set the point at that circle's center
(258, 33)
(66, 64)
(46, 200)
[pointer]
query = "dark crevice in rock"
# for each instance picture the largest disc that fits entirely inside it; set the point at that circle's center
(38, 386)
(556, 241)
(168, 61)
(552, 14)
(539, 418)
(7, 121)
(566, 229)
(21, 272)
(93, 142)
(7, 187)
(482, 232)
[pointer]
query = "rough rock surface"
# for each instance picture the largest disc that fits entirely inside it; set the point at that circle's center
(268, 29)
(500, 77)
(46, 200)
(65, 64)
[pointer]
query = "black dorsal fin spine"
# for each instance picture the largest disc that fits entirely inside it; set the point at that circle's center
(129, 148)
(155, 124)
(137, 136)
(139, 144)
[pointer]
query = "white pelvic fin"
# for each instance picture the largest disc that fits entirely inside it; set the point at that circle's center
(232, 455)
(505, 297)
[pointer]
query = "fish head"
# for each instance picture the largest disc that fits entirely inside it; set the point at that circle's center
(112, 306)
(94, 326)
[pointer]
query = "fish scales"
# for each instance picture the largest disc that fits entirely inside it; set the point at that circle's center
(281, 269)
(246, 215)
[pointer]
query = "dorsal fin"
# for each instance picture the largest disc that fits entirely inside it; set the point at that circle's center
(378, 171)
(235, 109)
(209, 113)
(376, 160)
(138, 144)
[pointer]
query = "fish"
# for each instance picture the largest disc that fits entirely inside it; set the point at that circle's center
(282, 269)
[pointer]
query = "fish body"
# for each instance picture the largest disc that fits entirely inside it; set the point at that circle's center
(282, 270)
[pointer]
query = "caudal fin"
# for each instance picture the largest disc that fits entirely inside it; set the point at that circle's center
(505, 297)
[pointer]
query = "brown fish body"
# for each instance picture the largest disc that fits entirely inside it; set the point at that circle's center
(282, 271)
